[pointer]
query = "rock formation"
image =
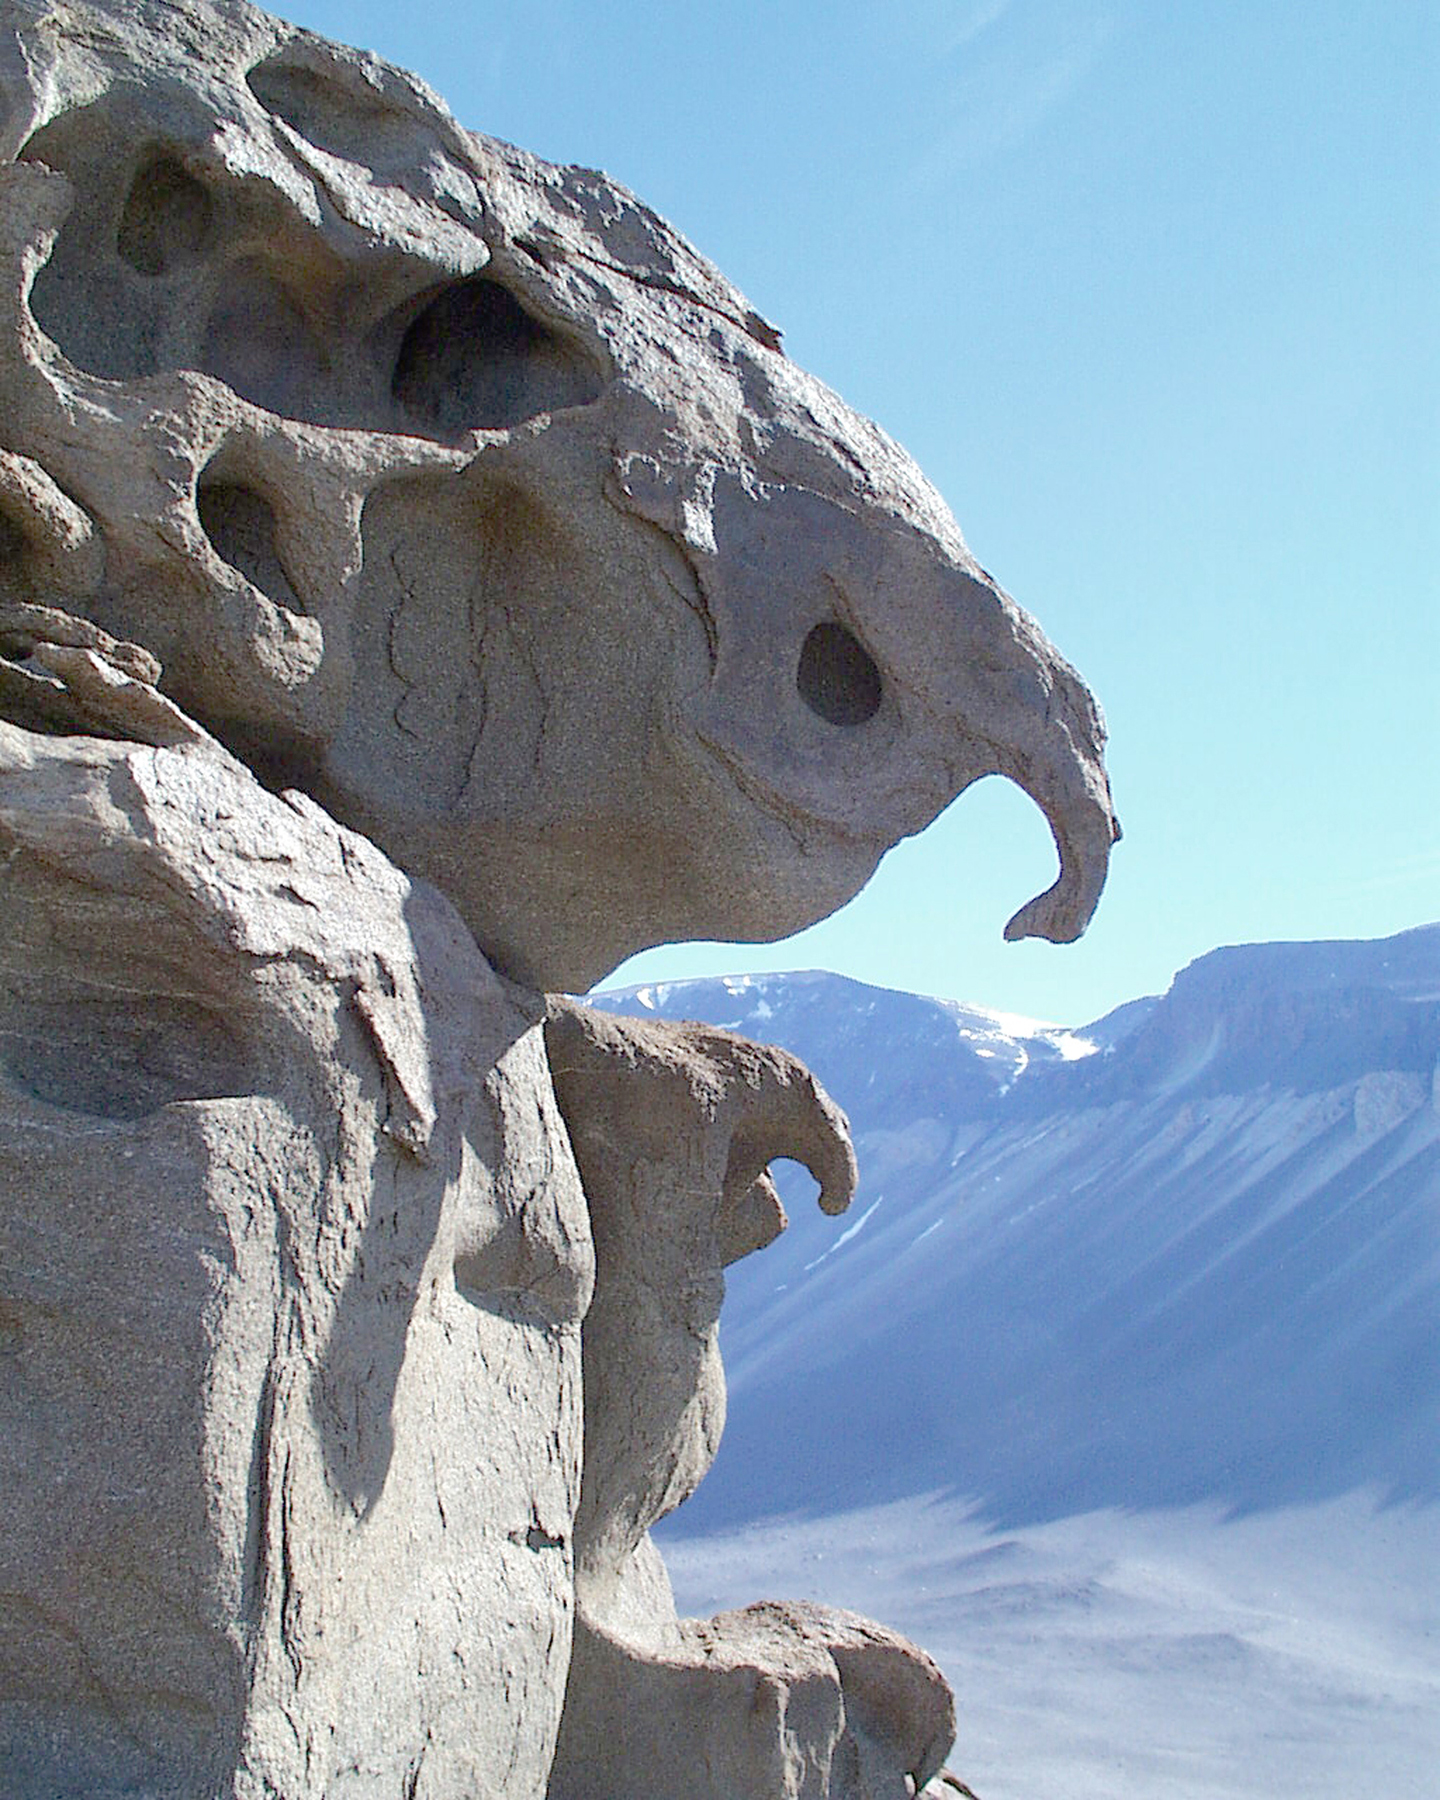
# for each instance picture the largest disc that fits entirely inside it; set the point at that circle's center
(294, 1256)
(423, 581)
(673, 1129)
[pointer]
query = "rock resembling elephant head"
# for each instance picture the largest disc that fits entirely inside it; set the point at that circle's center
(457, 490)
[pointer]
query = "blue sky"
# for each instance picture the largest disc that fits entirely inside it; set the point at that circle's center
(1151, 295)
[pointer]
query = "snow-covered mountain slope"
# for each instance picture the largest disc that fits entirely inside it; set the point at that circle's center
(1188, 1254)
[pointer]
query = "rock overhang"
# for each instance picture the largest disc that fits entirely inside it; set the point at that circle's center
(378, 398)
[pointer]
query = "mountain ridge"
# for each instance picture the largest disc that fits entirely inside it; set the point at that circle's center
(1187, 1253)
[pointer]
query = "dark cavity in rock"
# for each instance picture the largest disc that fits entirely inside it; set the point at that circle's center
(166, 218)
(475, 359)
(241, 525)
(838, 678)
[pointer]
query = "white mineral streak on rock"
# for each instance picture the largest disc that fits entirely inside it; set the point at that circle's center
(451, 497)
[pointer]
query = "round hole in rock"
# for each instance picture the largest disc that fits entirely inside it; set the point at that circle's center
(166, 218)
(241, 525)
(838, 678)
(474, 359)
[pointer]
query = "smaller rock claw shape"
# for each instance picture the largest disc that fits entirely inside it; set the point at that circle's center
(673, 1128)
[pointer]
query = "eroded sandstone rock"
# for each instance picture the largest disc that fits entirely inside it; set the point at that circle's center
(416, 561)
(673, 1128)
(457, 490)
(292, 1259)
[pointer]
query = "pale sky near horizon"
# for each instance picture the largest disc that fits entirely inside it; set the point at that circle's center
(1151, 295)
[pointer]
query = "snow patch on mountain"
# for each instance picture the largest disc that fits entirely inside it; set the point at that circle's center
(852, 1230)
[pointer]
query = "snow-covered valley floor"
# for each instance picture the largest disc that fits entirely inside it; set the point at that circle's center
(1283, 1655)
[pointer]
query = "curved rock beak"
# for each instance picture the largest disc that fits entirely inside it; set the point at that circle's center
(1060, 764)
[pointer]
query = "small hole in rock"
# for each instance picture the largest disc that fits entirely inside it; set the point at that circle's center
(166, 218)
(241, 525)
(278, 759)
(838, 678)
(12, 542)
(475, 359)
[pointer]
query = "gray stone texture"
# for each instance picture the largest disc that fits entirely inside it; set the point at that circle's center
(673, 1128)
(293, 1255)
(458, 490)
(423, 582)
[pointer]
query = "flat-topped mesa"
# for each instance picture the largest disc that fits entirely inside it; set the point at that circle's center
(458, 490)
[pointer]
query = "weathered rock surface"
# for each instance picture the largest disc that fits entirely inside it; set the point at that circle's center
(398, 447)
(293, 1255)
(416, 562)
(673, 1127)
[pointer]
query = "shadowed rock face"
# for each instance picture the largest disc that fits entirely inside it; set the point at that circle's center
(456, 489)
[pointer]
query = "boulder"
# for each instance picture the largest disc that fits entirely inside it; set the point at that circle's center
(293, 1255)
